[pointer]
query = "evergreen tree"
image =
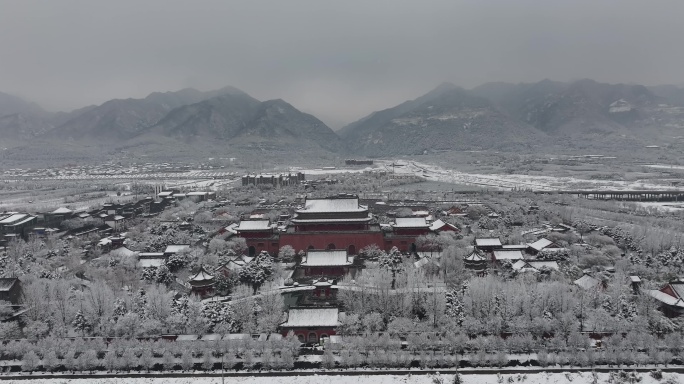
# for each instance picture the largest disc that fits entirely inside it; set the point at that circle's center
(81, 323)
(454, 308)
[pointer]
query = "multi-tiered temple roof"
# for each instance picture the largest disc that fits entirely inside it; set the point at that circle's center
(332, 210)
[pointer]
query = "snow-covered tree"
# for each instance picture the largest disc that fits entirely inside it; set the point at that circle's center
(393, 262)
(81, 323)
(454, 307)
(258, 271)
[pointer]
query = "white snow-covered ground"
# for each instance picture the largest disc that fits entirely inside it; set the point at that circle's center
(507, 182)
(664, 166)
(497, 181)
(535, 378)
(666, 207)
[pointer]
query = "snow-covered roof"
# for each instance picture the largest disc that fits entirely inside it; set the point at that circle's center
(327, 220)
(541, 244)
(666, 299)
(322, 282)
(176, 248)
(437, 224)
(678, 288)
(541, 264)
(410, 222)
(236, 262)
(202, 276)
(587, 282)
(123, 251)
(424, 261)
(165, 194)
(211, 337)
(149, 262)
(474, 256)
(24, 221)
(435, 254)
(6, 283)
(324, 258)
(508, 254)
(531, 265)
(333, 205)
(254, 225)
(15, 217)
(488, 242)
(514, 246)
(635, 279)
(187, 337)
(312, 317)
(61, 210)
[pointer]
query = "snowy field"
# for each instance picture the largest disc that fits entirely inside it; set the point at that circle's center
(667, 207)
(497, 181)
(517, 181)
(536, 378)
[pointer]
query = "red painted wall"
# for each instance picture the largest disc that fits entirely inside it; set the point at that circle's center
(248, 235)
(269, 245)
(302, 241)
(411, 231)
(331, 227)
(305, 332)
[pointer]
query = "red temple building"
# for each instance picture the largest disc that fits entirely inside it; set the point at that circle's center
(404, 233)
(202, 283)
(333, 223)
(259, 236)
(336, 223)
(329, 263)
(311, 324)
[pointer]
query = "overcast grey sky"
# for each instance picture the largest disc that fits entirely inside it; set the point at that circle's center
(336, 59)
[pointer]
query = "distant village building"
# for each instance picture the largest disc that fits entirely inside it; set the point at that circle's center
(56, 217)
(15, 224)
(116, 222)
(279, 180)
(358, 162)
